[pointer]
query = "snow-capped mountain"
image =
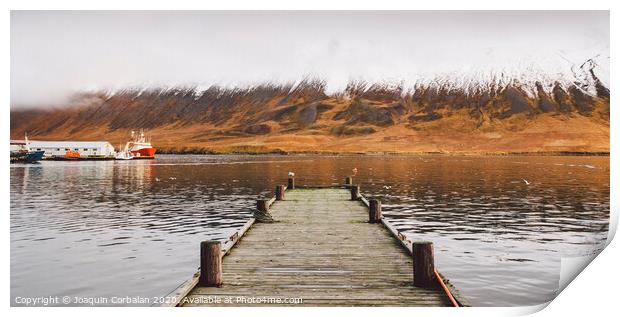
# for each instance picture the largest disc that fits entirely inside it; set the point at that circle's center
(524, 109)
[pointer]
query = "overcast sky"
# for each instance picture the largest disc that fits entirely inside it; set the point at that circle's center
(54, 53)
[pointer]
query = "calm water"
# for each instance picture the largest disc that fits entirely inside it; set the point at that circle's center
(132, 228)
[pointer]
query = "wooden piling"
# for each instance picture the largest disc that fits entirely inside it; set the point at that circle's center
(261, 205)
(374, 214)
(280, 192)
(348, 181)
(291, 183)
(355, 192)
(423, 264)
(210, 264)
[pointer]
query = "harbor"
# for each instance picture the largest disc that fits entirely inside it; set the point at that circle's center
(324, 245)
(31, 151)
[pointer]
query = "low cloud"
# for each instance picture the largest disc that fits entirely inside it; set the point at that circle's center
(57, 53)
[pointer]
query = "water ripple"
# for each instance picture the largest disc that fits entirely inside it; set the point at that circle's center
(133, 228)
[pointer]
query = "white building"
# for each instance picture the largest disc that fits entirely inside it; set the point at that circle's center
(93, 149)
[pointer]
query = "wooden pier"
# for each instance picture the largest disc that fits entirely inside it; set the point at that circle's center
(317, 247)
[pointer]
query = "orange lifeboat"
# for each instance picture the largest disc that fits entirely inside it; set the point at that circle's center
(72, 154)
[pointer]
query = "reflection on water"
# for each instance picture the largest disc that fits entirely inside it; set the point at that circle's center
(129, 228)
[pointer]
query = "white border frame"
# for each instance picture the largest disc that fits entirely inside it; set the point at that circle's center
(592, 291)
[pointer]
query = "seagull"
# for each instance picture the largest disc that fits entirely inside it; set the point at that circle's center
(291, 174)
(157, 179)
(526, 182)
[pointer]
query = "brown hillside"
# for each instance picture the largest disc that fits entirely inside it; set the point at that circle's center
(363, 118)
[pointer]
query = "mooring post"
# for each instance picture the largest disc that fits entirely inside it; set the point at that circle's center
(348, 180)
(423, 264)
(355, 192)
(210, 263)
(291, 183)
(280, 192)
(261, 205)
(374, 214)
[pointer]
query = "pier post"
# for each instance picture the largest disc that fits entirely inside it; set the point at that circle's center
(261, 205)
(210, 263)
(374, 214)
(280, 192)
(355, 192)
(423, 264)
(348, 180)
(291, 183)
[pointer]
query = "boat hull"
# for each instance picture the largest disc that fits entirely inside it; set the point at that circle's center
(34, 156)
(27, 157)
(144, 153)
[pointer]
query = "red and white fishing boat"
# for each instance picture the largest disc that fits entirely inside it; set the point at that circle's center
(139, 147)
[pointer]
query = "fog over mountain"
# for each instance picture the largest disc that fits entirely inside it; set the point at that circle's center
(55, 54)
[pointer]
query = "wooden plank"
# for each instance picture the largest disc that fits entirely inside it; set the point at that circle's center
(177, 295)
(450, 290)
(271, 201)
(404, 241)
(232, 240)
(321, 247)
(183, 290)
(364, 200)
(321, 186)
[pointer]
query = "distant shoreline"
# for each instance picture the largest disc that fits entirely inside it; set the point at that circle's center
(319, 153)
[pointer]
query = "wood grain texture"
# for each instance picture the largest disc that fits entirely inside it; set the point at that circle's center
(210, 263)
(424, 264)
(322, 250)
(374, 214)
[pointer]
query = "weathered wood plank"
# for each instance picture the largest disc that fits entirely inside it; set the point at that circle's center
(321, 249)
(234, 238)
(183, 290)
(180, 292)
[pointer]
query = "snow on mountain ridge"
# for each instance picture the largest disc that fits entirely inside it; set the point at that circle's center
(584, 76)
(589, 77)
